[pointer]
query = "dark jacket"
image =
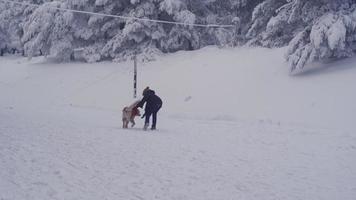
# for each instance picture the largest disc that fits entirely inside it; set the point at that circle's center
(153, 102)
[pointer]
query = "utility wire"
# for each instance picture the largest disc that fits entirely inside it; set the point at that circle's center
(123, 17)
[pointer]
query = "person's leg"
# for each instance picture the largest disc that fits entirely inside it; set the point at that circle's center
(147, 120)
(154, 120)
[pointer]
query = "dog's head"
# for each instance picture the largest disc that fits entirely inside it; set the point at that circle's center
(136, 112)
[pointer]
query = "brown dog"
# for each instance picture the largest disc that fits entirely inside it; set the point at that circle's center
(128, 115)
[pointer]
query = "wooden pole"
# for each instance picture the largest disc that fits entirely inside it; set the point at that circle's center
(135, 76)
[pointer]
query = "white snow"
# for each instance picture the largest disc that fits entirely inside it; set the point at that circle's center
(233, 125)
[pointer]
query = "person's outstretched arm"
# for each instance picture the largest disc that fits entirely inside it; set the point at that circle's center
(142, 102)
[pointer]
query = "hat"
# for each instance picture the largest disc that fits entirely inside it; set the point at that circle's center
(145, 90)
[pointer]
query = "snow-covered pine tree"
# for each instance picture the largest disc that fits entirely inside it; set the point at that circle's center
(92, 32)
(261, 18)
(218, 12)
(48, 32)
(84, 28)
(104, 37)
(4, 38)
(3, 41)
(315, 30)
(12, 18)
(235, 12)
(179, 37)
(134, 36)
(199, 12)
(331, 35)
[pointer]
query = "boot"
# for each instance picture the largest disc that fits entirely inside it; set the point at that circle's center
(145, 126)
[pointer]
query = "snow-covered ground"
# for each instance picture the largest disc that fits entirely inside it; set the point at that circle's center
(234, 125)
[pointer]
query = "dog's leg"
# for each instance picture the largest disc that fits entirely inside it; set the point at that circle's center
(132, 123)
(125, 124)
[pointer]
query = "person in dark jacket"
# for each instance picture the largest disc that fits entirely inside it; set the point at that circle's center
(153, 104)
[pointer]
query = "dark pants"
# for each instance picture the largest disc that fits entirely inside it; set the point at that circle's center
(154, 118)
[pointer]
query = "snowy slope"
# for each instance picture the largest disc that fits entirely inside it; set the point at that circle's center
(234, 125)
